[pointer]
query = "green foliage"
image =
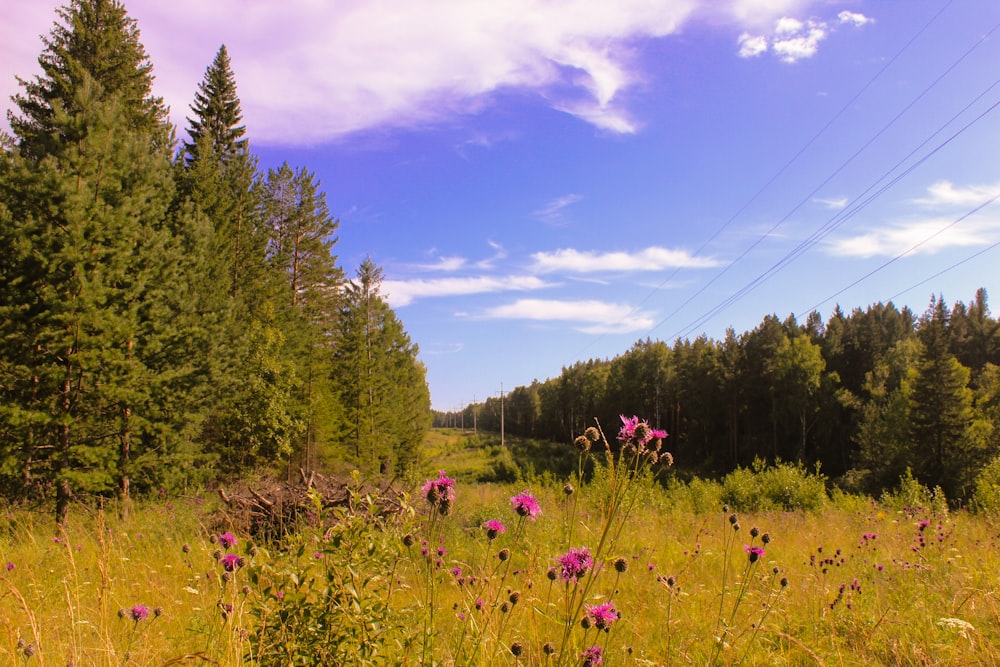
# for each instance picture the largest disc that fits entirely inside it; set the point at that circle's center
(911, 494)
(987, 495)
(332, 598)
(781, 486)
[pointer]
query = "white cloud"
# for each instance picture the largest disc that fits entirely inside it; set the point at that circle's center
(944, 193)
(444, 264)
(832, 203)
(552, 211)
(313, 71)
(751, 46)
(403, 292)
(791, 39)
(803, 42)
(854, 18)
(925, 236)
(649, 259)
(591, 316)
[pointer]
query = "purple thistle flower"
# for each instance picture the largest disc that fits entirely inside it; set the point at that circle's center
(602, 615)
(638, 432)
(592, 657)
(574, 564)
(230, 562)
(9, 566)
(440, 490)
(494, 528)
(139, 612)
(526, 505)
(227, 540)
(754, 552)
(456, 572)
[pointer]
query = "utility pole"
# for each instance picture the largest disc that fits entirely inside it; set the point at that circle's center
(475, 429)
(501, 415)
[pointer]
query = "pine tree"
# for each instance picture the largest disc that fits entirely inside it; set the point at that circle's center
(95, 291)
(217, 112)
(381, 382)
(942, 404)
(96, 40)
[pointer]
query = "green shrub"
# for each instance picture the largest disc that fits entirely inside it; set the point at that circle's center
(782, 486)
(987, 494)
(911, 494)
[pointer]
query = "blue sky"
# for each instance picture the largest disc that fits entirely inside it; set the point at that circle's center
(546, 181)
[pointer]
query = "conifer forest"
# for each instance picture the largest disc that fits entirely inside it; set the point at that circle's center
(172, 313)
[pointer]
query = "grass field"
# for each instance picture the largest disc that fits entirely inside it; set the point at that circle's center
(672, 579)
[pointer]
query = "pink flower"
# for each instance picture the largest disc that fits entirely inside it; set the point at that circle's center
(440, 492)
(493, 528)
(638, 433)
(230, 562)
(592, 657)
(602, 615)
(574, 564)
(754, 552)
(227, 540)
(139, 612)
(526, 505)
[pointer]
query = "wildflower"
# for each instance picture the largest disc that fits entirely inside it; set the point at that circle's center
(139, 612)
(526, 505)
(480, 603)
(408, 540)
(503, 554)
(754, 552)
(318, 555)
(227, 540)
(456, 572)
(592, 434)
(621, 565)
(582, 443)
(9, 566)
(514, 597)
(568, 489)
(494, 528)
(602, 616)
(592, 657)
(440, 492)
(516, 649)
(639, 434)
(186, 548)
(548, 648)
(575, 564)
(230, 562)
(28, 650)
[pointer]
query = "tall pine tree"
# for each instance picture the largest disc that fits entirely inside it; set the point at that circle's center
(94, 282)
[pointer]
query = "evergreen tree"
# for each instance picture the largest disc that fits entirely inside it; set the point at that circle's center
(96, 279)
(96, 40)
(942, 405)
(217, 112)
(381, 383)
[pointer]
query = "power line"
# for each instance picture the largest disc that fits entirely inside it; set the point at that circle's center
(847, 105)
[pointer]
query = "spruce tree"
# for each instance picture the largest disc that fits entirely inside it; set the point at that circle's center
(381, 382)
(96, 284)
(97, 40)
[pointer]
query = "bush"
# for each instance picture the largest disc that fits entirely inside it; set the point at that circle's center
(782, 486)
(987, 495)
(911, 494)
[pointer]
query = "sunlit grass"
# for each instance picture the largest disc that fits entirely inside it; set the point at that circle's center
(867, 584)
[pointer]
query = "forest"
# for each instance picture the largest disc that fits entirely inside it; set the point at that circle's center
(864, 396)
(170, 311)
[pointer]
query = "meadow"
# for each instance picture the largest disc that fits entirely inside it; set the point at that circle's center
(618, 566)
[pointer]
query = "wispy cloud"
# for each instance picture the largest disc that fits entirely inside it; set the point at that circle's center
(588, 316)
(398, 62)
(448, 264)
(553, 212)
(404, 292)
(649, 259)
(832, 203)
(925, 236)
(944, 194)
(791, 39)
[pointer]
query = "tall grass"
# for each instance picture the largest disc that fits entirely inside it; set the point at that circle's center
(674, 580)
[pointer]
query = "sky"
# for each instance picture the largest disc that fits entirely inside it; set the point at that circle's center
(549, 181)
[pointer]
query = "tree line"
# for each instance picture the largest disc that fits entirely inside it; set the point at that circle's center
(170, 311)
(865, 395)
